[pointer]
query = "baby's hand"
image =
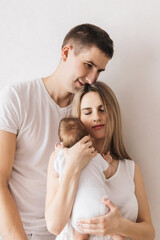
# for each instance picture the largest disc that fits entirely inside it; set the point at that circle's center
(107, 157)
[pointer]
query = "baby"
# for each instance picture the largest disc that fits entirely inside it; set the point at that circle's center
(91, 187)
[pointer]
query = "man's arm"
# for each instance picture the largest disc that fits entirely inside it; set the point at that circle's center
(11, 225)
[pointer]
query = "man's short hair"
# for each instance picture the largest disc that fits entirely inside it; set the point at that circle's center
(89, 35)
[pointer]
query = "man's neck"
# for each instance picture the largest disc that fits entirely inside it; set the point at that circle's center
(56, 90)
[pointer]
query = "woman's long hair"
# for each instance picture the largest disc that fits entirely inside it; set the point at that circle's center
(113, 141)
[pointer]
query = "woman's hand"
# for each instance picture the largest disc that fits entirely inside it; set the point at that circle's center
(103, 225)
(78, 156)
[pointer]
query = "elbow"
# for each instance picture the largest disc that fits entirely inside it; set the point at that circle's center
(53, 226)
(153, 234)
(53, 229)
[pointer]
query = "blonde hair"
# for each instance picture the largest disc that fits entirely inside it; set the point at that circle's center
(113, 140)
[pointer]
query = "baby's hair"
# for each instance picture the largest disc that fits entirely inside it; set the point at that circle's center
(71, 130)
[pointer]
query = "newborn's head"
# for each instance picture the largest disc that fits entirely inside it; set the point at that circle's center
(71, 130)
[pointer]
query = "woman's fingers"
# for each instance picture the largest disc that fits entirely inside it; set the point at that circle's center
(84, 140)
(87, 143)
(102, 225)
(109, 203)
(92, 226)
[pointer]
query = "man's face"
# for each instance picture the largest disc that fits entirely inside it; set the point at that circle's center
(84, 67)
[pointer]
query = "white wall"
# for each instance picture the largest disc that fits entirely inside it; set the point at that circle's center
(31, 33)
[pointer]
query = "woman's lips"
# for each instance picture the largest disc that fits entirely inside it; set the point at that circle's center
(97, 127)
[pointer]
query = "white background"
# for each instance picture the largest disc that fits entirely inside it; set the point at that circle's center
(31, 33)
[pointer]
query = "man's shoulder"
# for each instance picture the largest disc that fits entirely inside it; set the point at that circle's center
(19, 88)
(23, 84)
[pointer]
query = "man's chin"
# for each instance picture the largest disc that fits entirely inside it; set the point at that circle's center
(77, 86)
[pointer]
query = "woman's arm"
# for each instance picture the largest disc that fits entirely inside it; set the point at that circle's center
(143, 229)
(60, 196)
(114, 223)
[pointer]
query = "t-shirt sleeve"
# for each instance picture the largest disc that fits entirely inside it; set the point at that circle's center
(10, 119)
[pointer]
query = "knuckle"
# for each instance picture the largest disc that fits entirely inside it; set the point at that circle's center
(102, 221)
(90, 221)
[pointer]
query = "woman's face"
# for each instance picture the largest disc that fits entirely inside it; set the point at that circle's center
(93, 115)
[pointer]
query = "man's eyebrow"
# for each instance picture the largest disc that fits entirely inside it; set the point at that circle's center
(91, 62)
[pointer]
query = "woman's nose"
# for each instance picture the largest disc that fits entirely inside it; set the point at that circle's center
(97, 116)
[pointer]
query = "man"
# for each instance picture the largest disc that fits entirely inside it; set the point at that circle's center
(30, 113)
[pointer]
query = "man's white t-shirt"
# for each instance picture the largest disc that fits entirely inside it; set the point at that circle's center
(27, 110)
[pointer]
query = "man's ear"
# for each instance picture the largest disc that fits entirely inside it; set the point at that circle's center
(65, 52)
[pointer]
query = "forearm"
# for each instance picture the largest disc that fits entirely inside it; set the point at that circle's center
(59, 209)
(137, 231)
(11, 226)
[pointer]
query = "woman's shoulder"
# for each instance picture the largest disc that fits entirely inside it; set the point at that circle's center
(132, 168)
(129, 166)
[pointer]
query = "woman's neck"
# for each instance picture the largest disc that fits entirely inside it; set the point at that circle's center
(98, 145)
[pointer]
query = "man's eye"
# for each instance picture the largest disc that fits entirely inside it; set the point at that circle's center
(88, 65)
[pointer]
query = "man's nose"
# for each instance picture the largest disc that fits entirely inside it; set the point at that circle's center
(91, 77)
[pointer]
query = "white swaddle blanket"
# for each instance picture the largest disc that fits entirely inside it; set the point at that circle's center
(91, 189)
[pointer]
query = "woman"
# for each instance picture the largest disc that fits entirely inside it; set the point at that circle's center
(98, 109)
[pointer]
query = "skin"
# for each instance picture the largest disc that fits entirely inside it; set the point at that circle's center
(94, 118)
(11, 225)
(71, 72)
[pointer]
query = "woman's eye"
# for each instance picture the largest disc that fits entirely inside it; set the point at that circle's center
(101, 110)
(87, 113)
